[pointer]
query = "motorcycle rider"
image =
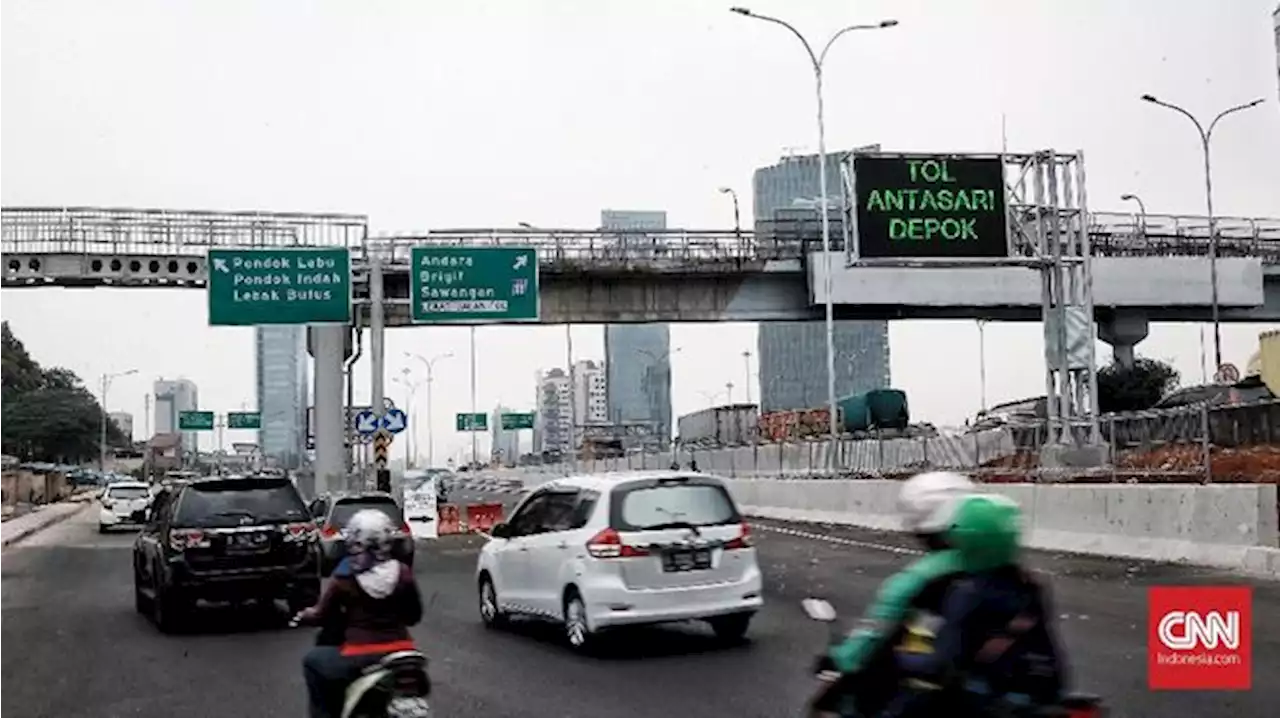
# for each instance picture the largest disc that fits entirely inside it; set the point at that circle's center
(908, 602)
(367, 607)
(889, 664)
(994, 642)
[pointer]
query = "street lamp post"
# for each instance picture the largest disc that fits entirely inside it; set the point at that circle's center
(411, 386)
(431, 436)
(1142, 210)
(102, 437)
(737, 217)
(655, 407)
(818, 60)
(1205, 137)
(746, 360)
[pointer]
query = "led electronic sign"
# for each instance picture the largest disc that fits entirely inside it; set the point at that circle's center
(943, 207)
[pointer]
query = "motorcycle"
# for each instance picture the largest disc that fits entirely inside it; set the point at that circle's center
(830, 698)
(396, 686)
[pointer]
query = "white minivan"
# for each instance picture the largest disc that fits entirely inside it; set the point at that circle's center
(124, 503)
(608, 550)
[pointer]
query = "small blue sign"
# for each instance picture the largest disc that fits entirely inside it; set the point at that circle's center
(394, 420)
(366, 423)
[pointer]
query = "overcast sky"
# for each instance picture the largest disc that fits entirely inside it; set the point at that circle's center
(494, 112)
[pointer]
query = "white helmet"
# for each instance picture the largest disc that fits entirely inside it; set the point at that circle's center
(927, 501)
(369, 531)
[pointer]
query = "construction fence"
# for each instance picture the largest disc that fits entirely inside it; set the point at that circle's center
(1196, 443)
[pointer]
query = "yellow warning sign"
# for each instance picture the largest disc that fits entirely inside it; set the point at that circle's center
(381, 448)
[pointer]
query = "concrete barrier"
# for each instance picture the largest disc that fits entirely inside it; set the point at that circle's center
(1231, 526)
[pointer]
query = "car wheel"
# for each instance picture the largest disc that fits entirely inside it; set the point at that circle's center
(167, 610)
(490, 611)
(102, 528)
(577, 629)
(732, 627)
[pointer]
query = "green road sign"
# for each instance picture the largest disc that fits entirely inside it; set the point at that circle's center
(244, 420)
(470, 285)
(511, 422)
(471, 422)
(195, 420)
(279, 286)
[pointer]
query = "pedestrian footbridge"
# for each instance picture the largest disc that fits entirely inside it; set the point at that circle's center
(1146, 268)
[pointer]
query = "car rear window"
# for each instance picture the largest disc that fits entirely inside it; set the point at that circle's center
(666, 503)
(127, 493)
(230, 502)
(346, 508)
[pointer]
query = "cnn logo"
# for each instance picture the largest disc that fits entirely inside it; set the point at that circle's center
(1199, 638)
(1189, 630)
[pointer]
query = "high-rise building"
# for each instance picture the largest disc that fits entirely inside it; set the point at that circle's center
(590, 392)
(638, 376)
(281, 370)
(637, 357)
(124, 422)
(172, 397)
(792, 356)
(552, 432)
(506, 442)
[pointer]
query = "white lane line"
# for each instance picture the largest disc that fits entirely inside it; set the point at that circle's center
(841, 541)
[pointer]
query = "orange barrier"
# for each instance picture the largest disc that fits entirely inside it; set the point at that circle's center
(449, 520)
(483, 517)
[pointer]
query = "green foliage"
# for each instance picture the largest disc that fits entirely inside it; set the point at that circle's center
(1137, 387)
(48, 415)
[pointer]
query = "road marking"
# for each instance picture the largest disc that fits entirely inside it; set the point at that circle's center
(840, 540)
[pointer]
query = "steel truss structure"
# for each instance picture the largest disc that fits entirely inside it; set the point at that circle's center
(1049, 230)
(152, 232)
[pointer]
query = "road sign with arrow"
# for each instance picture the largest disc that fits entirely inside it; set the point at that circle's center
(473, 284)
(279, 286)
(366, 423)
(394, 421)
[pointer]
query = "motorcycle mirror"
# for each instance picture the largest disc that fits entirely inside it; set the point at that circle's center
(819, 609)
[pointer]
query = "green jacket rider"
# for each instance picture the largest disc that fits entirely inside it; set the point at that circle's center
(928, 504)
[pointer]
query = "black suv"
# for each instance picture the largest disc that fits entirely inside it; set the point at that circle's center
(225, 539)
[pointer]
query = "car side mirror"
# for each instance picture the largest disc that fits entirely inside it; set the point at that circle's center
(501, 531)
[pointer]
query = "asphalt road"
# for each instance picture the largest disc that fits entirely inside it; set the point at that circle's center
(73, 645)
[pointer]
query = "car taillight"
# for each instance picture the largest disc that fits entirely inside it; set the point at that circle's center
(608, 544)
(183, 539)
(404, 527)
(300, 532)
(742, 541)
(330, 531)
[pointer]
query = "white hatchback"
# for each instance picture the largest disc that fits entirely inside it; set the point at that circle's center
(124, 503)
(610, 550)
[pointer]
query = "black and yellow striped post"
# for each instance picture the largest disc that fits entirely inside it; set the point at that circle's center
(381, 451)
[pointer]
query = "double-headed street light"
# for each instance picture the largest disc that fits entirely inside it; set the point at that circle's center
(431, 435)
(1205, 136)
(818, 60)
(102, 438)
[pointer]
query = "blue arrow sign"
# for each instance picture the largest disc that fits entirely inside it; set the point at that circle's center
(394, 421)
(366, 423)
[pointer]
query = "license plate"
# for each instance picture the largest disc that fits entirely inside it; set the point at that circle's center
(678, 561)
(408, 707)
(248, 542)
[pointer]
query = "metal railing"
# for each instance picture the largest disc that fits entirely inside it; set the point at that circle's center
(102, 231)
(1196, 443)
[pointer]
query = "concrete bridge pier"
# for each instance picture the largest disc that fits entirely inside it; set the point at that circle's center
(1123, 329)
(329, 344)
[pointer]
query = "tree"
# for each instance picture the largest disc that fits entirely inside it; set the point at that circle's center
(48, 414)
(1135, 388)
